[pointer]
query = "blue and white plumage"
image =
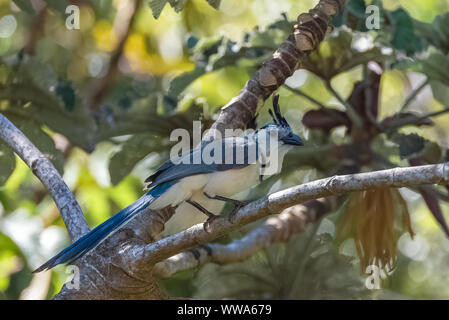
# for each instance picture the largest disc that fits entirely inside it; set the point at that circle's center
(204, 184)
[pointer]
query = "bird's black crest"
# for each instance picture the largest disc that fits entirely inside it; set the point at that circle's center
(276, 113)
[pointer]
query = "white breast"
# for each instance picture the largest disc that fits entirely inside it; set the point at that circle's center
(223, 183)
(230, 182)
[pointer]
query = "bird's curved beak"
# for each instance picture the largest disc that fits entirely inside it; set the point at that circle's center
(293, 140)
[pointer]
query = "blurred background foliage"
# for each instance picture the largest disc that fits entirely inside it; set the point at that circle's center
(101, 102)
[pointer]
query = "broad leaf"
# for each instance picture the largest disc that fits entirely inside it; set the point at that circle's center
(436, 33)
(133, 151)
(433, 204)
(212, 54)
(413, 146)
(41, 140)
(336, 56)
(37, 94)
(404, 37)
(158, 5)
(409, 144)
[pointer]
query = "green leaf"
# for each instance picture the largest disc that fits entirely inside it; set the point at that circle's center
(7, 163)
(157, 6)
(133, 151)
(354, 16)
(336, 56)
(25, 5)
(440, 92)
(436, 33)
(180, 83)
(409, 144)
(16, 273)
(41, 140)
(37, 94)
(212, 54)
(214, 3)
(58, 5)
(404, 37)
(435, 68)
(65, 91)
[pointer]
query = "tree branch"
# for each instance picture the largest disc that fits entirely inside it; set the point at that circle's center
(273, 203)
(306, 36)
(279, 228)
(43, 169)
(414, 94)
(352, 114)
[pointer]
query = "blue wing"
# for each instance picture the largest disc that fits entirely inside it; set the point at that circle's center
(166, 176)
(89, 241)
(187, 167)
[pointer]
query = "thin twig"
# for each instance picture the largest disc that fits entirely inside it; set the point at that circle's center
(414, 94)
(305, 95)
(405, 122)
(352, 114)
(330, 111)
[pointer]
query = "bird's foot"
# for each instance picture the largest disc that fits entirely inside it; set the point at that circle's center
(237, 206)
(206, 225)
(196, 253)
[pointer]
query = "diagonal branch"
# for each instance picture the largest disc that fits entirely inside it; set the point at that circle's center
(276, 202)
(42, 167)
(306, 36)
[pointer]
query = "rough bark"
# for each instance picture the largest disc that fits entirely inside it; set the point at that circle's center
(43, 169)
(306, 36)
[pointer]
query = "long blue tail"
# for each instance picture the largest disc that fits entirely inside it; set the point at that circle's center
(89, 241)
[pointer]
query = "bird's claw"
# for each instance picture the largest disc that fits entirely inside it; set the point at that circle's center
(237, 206)
(196, 253)
(206, 225)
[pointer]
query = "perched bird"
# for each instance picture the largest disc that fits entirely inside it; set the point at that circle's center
(213, 172)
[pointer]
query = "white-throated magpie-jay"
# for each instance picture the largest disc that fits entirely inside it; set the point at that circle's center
(233, 164)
